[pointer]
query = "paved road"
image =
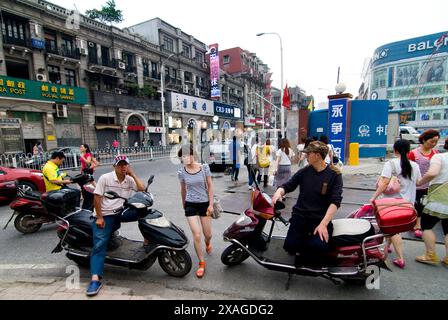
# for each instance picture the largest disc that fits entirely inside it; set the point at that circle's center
(29, 256)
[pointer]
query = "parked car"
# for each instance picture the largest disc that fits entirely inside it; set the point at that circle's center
(409, 133)
(219, 156)
(27, 180)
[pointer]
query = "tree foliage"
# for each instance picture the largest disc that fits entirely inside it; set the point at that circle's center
(108, 13)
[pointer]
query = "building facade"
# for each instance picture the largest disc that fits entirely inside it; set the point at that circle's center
(412, 75)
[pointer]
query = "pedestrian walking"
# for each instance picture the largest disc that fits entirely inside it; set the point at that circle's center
(197, 201)
(88, 161)
(408, 173)
(300, 154)
(283, 163)
(436, 208)
(422, 156)
(263, 152)
(235, 155)
(250, 150)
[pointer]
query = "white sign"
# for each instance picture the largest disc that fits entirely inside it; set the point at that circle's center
(193, 105)
(155, 129)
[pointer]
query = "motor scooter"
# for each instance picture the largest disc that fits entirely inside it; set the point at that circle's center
(357, 245)
(167, 242)
(31, 214)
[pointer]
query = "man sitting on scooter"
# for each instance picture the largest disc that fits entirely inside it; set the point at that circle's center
(319, 199)
(53, 177)
(124, 182)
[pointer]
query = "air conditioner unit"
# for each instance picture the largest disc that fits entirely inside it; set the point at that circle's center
(83, 51)
(91, 44)
(61, 110)
(41, 77)
(186, 88)
(196, 91)
(121, 65)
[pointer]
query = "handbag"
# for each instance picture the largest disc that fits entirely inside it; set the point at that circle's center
(394, 184)
(217, 208)
(426, 198)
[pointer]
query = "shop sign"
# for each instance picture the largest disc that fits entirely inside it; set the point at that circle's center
(37, 90)
(226, 111)
(193, 105)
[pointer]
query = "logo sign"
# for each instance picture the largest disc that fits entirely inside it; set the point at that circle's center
(193, 105)
(214, 71)
(226, 111)
(337, 122)
(364, 131)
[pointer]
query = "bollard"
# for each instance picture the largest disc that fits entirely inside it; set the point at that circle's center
(354, 154)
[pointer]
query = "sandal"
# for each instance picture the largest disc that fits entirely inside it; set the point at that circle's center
(418, 233)
(399, 263)
(208, 248)
(201, 270)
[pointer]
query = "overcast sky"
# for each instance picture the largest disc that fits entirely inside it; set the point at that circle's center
(318, 35)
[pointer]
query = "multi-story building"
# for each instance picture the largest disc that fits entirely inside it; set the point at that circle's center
(298, 96)
(73, 80)
(251, 74)
(412, 75)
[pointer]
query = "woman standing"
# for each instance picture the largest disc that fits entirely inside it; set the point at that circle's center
(197, 200)
(87, 160)
(437, 207)
(283, 163)
(408, 173)
(422, 156)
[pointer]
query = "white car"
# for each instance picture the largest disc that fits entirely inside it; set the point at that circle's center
(409, 133)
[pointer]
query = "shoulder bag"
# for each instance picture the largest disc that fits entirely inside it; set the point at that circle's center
(394, 184)
(217, 208)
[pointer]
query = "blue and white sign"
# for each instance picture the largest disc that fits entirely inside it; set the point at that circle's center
(337, 126)
(38, 44)
(227, 111)
(192, 105)
(368, 125)
(411, 48)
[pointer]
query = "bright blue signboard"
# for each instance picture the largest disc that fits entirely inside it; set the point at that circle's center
(337, 126)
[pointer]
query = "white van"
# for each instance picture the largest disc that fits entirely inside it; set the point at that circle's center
(409, 133)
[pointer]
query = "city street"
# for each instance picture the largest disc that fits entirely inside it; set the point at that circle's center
(28, 259)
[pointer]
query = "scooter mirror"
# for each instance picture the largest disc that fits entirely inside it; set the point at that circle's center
(150, 180)
(111, 195)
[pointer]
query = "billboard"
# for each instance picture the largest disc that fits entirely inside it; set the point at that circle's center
(214, 72)
(337, 126)
(193, 105)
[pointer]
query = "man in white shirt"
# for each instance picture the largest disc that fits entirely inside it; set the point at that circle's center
(124, 182)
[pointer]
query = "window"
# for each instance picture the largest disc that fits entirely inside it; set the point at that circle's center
(199, 57)
(226, 59)
(188, 76)
(14, 30)
(70, 77)
(379, 79)
(68, 49)
(435, 71)
(186, 52)
(50, 41)
(105, 56)
(154, 70)
(93, 52)
(437, 116)
(54, 74)
(168, 44)
(173, 73)
(145, 69)
(407, 75)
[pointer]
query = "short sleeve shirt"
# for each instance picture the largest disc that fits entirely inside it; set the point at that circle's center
(440, 159)
(407, 186)
(110, 182)
(51, 172)
(284, 158)
(197, 190)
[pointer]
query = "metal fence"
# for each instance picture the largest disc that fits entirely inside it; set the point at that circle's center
(104, 156)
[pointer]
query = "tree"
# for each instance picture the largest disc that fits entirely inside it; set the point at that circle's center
(108, 13)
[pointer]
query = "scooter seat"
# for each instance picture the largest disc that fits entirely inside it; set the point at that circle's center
(32, 195)
(351, 231)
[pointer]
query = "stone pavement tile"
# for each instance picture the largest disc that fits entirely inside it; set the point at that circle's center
(138, 298)
(61, 296)
(18, 296)
(107, 296)
(79, 296)
(47, 290)
(24, 289)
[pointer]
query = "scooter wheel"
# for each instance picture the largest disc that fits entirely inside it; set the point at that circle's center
(234, 255)
(25, 223)
(175, 263)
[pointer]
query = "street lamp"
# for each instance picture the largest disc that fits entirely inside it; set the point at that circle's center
(282, 109)
(162, 98)
(272, 105)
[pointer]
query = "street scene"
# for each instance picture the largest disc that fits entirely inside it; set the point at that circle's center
(143, 157)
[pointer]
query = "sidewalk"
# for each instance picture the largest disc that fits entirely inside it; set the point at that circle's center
(369, 166)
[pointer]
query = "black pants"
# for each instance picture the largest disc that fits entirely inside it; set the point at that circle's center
(418, 206)
(300, 238)
(429, 222)
(235, 171)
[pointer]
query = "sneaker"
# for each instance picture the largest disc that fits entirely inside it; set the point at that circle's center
(94, 288)
(251, 188)
(399, 263)
(428, 258)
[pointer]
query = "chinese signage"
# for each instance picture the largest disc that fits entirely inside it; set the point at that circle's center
(214, 71)
(412, 48)
(36, 90)
(368, 125)
(337, 123)
(226, 111)
(192, 105)
(12, 138)
(38, 44)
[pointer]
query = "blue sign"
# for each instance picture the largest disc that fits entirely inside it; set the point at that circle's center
(226, 111)
(368, 125)
(38, 44)
(337, 126)
(411, 48)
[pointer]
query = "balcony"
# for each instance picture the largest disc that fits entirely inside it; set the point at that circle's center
(63, 52)
(17, 42)
(107, 99)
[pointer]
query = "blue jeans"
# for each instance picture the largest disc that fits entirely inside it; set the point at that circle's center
(101, 239)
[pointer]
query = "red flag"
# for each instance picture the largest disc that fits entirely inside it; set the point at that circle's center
(286, 98)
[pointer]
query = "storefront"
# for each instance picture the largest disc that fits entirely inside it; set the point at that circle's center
(49, 113)
(229, 117)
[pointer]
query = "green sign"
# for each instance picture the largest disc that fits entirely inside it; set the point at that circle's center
(36, 90)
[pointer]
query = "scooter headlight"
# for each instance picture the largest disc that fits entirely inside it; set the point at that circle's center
(161, 222)
(138, 205)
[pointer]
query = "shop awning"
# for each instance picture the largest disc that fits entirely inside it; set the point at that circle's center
(107, 126)
(136, 128)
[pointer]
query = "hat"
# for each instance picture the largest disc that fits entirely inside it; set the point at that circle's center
(317, 147)
(120, 158)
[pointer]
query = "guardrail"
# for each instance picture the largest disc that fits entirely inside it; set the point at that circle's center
(104, 156)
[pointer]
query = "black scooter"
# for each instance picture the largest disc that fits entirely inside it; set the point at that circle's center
(167, 242)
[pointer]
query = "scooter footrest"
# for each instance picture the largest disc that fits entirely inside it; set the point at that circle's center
(343, 271)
